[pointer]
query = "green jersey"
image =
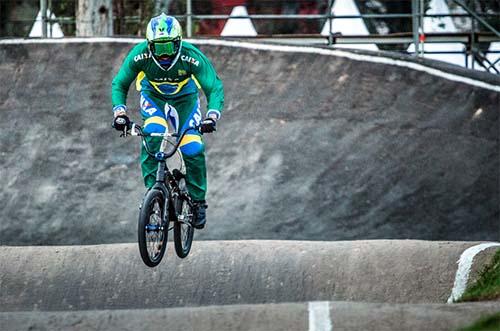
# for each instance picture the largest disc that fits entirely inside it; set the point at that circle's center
(191, 71)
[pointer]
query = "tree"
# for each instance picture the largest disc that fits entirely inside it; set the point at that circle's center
(94, 18)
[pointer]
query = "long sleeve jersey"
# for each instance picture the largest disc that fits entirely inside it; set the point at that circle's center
(191, 69)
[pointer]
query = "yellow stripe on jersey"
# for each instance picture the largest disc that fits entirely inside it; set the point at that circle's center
(138, 80)
(178, 85)
(196, 82)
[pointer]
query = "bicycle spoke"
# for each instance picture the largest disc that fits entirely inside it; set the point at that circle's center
(154, 234)
(183, 230)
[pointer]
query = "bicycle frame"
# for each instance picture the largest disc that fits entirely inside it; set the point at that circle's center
(165, 180)
(167, 199)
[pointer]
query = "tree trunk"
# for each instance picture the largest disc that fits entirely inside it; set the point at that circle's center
(94, 18)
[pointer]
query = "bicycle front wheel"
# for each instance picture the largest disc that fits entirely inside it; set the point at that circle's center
(183, 228)
(153, 228)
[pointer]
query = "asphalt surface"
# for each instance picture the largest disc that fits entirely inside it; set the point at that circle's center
(310, 147)
(344, 316)
(229, 272)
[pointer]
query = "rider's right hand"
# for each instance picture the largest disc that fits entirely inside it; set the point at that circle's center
(121, 122)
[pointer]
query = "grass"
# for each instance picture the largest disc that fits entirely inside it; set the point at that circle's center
(489, 323)
(487, 286)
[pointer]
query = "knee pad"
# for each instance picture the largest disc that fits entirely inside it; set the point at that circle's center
(191, 145)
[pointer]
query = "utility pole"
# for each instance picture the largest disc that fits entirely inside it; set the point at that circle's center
(94, 18)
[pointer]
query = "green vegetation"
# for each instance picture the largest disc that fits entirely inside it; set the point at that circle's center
(487, 286)
(490, 323)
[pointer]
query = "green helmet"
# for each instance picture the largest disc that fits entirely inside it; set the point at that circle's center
(164, 35)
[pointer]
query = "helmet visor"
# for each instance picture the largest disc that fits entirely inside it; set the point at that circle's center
(165, 47)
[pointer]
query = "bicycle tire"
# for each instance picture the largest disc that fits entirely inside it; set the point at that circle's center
(183, 228)
(153, 201)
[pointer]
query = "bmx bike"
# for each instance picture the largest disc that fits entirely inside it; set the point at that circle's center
(167, 202)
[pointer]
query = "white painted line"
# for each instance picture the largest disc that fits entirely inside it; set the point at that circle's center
(464, 266)
(280, 48)
(319, 316)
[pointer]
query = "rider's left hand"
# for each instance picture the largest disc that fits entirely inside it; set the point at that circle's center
(208, 125)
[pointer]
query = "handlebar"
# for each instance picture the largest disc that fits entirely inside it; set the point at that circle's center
(136, 130)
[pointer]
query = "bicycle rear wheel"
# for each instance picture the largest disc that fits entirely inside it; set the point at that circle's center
(183, 226)
(153, 228)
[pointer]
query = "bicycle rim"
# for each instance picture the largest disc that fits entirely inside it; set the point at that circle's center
(152, 228)
(183, 229)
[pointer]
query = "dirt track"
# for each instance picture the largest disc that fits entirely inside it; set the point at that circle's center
(229, 272)
(344, 316)
(310, 147)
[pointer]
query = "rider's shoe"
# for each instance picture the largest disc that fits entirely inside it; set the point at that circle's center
(199, 211)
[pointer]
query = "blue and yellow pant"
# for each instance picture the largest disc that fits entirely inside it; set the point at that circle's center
(180, 113)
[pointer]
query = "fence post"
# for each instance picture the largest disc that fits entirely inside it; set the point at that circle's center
(421, 27)
(472, 30)
(415, 25)
(330, 23)
(189, 19)
(43, 11)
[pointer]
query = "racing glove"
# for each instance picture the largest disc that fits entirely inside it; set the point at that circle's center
(121, 122)
(208, 125)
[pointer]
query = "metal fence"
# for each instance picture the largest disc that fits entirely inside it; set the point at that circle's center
(391, 24)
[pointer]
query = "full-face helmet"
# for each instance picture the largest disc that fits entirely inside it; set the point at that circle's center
(164, 35)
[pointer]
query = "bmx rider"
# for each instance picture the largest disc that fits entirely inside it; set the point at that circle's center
(168, 73)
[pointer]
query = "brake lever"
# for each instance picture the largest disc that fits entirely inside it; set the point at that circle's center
(124, 133)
